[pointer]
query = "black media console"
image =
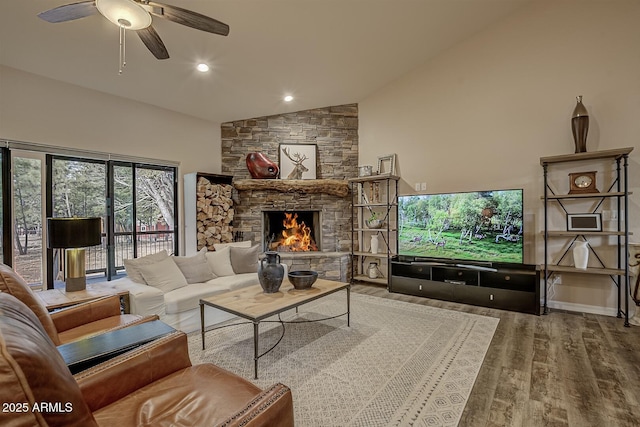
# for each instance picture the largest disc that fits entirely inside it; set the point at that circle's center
(505, 286)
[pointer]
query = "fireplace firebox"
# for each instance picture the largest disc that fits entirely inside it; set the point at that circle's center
(291, 231)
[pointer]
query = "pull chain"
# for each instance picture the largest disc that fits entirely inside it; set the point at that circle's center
(123, 51)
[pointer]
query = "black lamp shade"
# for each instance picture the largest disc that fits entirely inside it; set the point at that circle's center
(73, 232)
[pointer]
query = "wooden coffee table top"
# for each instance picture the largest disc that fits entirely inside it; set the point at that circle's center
(253, 304)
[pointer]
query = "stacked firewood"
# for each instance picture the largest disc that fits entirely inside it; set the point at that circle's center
(214, 213)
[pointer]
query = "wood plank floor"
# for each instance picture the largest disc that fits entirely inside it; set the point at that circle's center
(560, 369)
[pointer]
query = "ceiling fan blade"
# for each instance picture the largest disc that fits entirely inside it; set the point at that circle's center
(188, 18)
(69, 12)
(152, 41)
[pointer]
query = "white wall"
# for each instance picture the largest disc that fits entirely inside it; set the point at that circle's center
(41, 110)
(44, 111)
(480, 115)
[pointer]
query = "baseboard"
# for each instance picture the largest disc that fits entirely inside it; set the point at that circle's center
(583, 308)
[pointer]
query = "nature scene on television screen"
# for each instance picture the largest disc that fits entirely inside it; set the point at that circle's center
(483, 226)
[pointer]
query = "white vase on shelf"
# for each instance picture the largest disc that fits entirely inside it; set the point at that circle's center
(375, 243)
(581, 255)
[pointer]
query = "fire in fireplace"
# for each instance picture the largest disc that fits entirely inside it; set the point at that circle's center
(291, 231)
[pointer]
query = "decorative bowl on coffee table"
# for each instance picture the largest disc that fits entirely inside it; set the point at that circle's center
(303, 279)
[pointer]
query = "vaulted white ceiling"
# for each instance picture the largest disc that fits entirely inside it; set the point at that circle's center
(323, 52)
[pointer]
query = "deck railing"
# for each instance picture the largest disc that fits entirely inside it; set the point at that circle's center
(29, 265)
(146, 242)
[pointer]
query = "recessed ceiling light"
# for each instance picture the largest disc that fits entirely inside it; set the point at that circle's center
(203, 68)
(288, 98)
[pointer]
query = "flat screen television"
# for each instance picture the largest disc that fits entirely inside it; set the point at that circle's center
(483, 226)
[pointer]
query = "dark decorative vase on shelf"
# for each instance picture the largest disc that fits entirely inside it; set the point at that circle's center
(270, 272)
(580, 126)
(261, 167)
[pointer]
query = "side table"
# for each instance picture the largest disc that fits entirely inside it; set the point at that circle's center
(83, 354)
(54, 299)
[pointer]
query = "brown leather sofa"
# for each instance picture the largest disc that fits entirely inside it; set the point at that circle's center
(154, 385)
(73, 323)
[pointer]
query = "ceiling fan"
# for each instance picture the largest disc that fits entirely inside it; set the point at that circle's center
(136, 15)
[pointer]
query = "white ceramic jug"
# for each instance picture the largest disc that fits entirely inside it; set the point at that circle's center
(373, 270)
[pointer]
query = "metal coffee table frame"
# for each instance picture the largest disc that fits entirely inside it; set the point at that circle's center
(253, 304)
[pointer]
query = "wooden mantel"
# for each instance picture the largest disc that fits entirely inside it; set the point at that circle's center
(334, 187)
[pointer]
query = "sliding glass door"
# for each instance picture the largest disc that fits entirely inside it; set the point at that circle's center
(28, 213)
(144, 210)
(78, 188)
(136, 201)
(5, 205)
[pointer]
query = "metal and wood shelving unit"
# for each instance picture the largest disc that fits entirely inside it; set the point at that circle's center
(379, 194)
(616, 189)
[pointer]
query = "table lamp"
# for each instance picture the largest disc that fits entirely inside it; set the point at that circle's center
(73, 235)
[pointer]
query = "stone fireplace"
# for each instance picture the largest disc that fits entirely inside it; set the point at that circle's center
(295, 231)
(326, 212)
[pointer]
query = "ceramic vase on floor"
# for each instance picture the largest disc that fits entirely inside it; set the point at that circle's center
(580, 255)
(634, 280)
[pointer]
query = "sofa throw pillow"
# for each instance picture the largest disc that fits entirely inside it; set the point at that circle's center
(132, 266)
(220, 262)
(243, 244)
(195, 268)
(245, 260)
(164, 275)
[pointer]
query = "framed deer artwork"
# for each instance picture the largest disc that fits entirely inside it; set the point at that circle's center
(298, 161)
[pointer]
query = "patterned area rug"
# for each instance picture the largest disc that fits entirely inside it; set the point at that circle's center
(398, 364)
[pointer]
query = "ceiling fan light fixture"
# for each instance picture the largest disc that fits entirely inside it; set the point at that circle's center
(124, 13)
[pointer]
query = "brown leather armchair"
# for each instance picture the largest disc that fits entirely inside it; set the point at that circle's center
(154, 385)
(73, 323)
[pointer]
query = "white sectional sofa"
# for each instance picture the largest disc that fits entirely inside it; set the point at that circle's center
(172, 286)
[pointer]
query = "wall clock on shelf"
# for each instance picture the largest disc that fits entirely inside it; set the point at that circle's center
(582, 182)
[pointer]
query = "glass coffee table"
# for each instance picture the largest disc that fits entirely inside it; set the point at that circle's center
(253, 304)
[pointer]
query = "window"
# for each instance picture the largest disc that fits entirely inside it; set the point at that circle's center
(145, 213)
(136, 201)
